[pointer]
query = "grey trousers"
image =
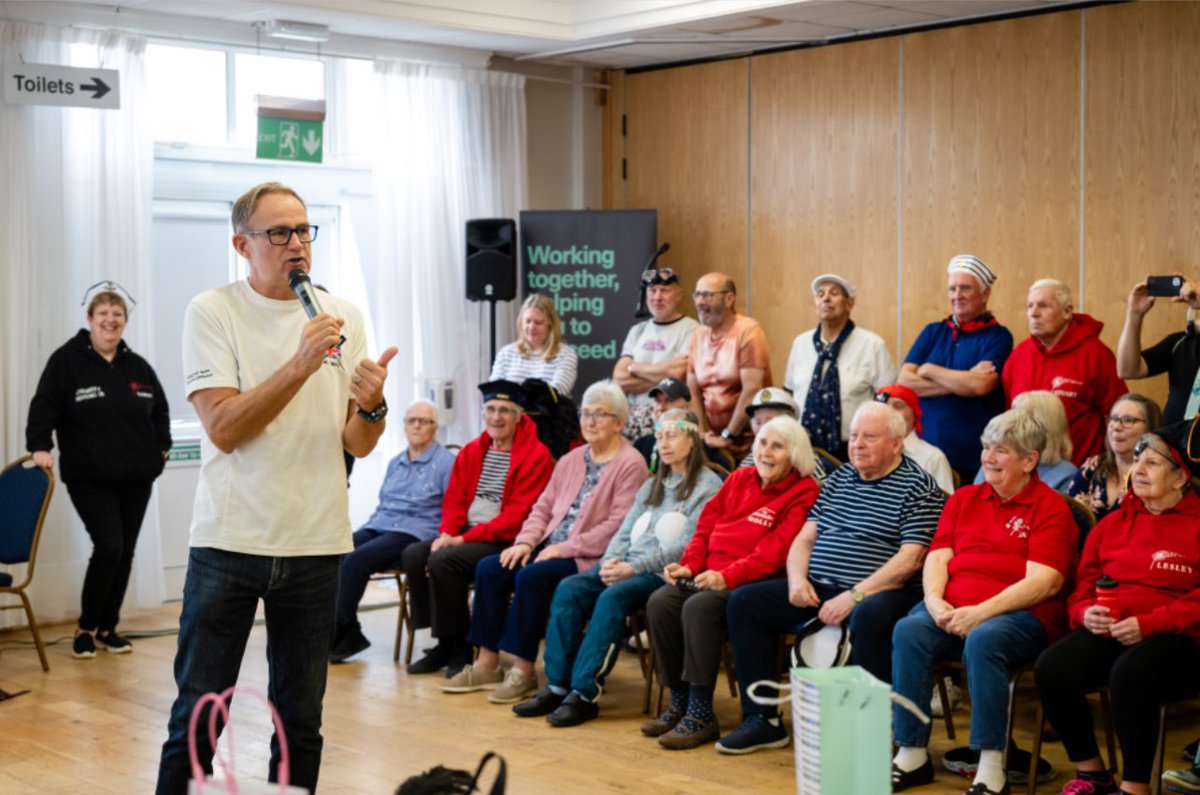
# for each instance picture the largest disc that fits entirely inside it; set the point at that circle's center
(687, 630)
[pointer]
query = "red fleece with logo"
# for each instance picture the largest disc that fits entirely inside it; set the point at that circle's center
(1155, 559)
(1080, 369)
(745, 531)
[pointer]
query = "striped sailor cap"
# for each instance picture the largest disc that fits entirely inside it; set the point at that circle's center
(974, 266)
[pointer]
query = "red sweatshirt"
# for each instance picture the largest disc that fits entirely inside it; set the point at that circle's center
(1155, 559)
(745, 531)
(1080, 369)
(529, 469)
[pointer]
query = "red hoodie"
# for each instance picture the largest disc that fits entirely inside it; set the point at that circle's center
(1080, 369)
(1155, 559)
(529, 469)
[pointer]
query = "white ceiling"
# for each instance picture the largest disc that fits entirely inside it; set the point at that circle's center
(598, 33)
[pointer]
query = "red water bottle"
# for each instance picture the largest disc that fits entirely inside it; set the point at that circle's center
(1106, 596)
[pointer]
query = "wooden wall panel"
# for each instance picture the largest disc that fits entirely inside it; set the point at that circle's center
(991, 160)
(1142, 164)
(685, 148)
(824, 138)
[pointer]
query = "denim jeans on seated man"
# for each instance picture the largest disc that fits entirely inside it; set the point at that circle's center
(759, 613)
(579, 660)
(989, 652)
(220, 596)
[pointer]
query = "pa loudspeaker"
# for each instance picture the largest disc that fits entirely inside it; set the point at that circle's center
(491, 259)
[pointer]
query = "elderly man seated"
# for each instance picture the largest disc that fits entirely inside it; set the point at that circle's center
(928, 457)
(857, 558)
(410, 506)
(496, 479)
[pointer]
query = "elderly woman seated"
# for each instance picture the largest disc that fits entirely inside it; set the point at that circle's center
(1054, 465)
(1103, 479)
(743, 535)
(653, 534)
(1135, 610)
(1001, 554)
(589, 493)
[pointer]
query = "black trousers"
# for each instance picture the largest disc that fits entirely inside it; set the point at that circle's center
(438, 584)
(113, 517)
(1141, 677)
(687, 630)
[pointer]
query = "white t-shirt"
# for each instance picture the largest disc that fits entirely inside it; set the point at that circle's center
(864, 365)
(651, 342)
(282, 493)
(931, 459)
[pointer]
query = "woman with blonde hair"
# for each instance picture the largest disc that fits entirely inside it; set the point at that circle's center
(539, 351)
(1054, 467)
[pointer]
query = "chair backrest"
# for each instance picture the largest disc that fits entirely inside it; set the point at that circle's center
(24, 497)
(830, 460)
(719, 470)
(1085, 520)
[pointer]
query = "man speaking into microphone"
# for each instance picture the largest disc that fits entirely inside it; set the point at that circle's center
(279, 396)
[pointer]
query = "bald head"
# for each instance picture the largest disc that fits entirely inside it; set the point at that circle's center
(715, 295)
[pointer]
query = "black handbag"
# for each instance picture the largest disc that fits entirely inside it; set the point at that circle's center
(449, 781)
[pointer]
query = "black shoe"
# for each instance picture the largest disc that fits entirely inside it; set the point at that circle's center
(435, 659)
(114, 643)
(913, 778)
(982, 789)
(348, 645)
(574, 710)
(84, 646)
(544, 702)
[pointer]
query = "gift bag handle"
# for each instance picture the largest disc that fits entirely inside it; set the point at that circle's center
(220, 705)
(499, 784)
(785, 695)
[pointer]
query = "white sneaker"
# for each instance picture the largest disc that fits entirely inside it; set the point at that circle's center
(953, 691)
(517, 686)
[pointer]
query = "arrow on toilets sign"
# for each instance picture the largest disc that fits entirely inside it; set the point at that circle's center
(46, 84)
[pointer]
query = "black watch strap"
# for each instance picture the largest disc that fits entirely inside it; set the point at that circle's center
(376, 414)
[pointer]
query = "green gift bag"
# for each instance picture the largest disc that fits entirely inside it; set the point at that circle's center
(842, 729)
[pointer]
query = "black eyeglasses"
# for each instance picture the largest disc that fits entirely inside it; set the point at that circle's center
(659, 276)
(282, 235)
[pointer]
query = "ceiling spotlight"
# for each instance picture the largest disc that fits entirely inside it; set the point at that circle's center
(296, 31)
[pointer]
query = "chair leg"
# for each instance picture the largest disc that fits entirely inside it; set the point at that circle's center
(1110, 735)
(403, 597)
(1039, 725)
(33, 629)
(944, 695)
(1157, 770)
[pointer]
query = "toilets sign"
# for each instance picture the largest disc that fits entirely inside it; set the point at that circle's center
(46, 84)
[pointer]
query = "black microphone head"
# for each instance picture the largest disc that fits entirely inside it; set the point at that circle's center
(664, 248)
(296, 276)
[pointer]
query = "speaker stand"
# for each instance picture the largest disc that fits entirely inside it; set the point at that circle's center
(492, 313)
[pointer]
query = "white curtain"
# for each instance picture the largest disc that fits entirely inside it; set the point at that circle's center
(451, 147)
(75, 208)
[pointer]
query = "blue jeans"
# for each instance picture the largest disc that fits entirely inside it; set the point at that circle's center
(580, 661)
(517, 628)
(220, 596)
(989, 652)
(374, 551)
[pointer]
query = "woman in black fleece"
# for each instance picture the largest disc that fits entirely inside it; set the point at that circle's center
(113, 427)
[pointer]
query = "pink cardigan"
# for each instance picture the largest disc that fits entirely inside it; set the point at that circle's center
(601, 514)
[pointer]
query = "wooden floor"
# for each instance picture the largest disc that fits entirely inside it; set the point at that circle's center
(103, 721)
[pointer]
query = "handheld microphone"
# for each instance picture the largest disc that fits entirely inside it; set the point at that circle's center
(641, 311)
(302, 286)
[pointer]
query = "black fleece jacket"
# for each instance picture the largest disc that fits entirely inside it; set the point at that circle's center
(111, 418)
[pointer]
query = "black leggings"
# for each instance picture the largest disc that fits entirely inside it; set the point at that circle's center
(1142, 678)
(113, 517)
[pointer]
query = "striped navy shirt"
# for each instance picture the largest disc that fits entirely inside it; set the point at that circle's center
(862, 523)
(490, 488)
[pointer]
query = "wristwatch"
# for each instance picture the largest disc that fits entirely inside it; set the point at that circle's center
(726, 434)
(376, 414)
(857, 596)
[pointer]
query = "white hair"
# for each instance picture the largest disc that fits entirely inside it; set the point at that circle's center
(1062, 293)
(611, 396)
(795, 439)
(895, 420)
(423, 402)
